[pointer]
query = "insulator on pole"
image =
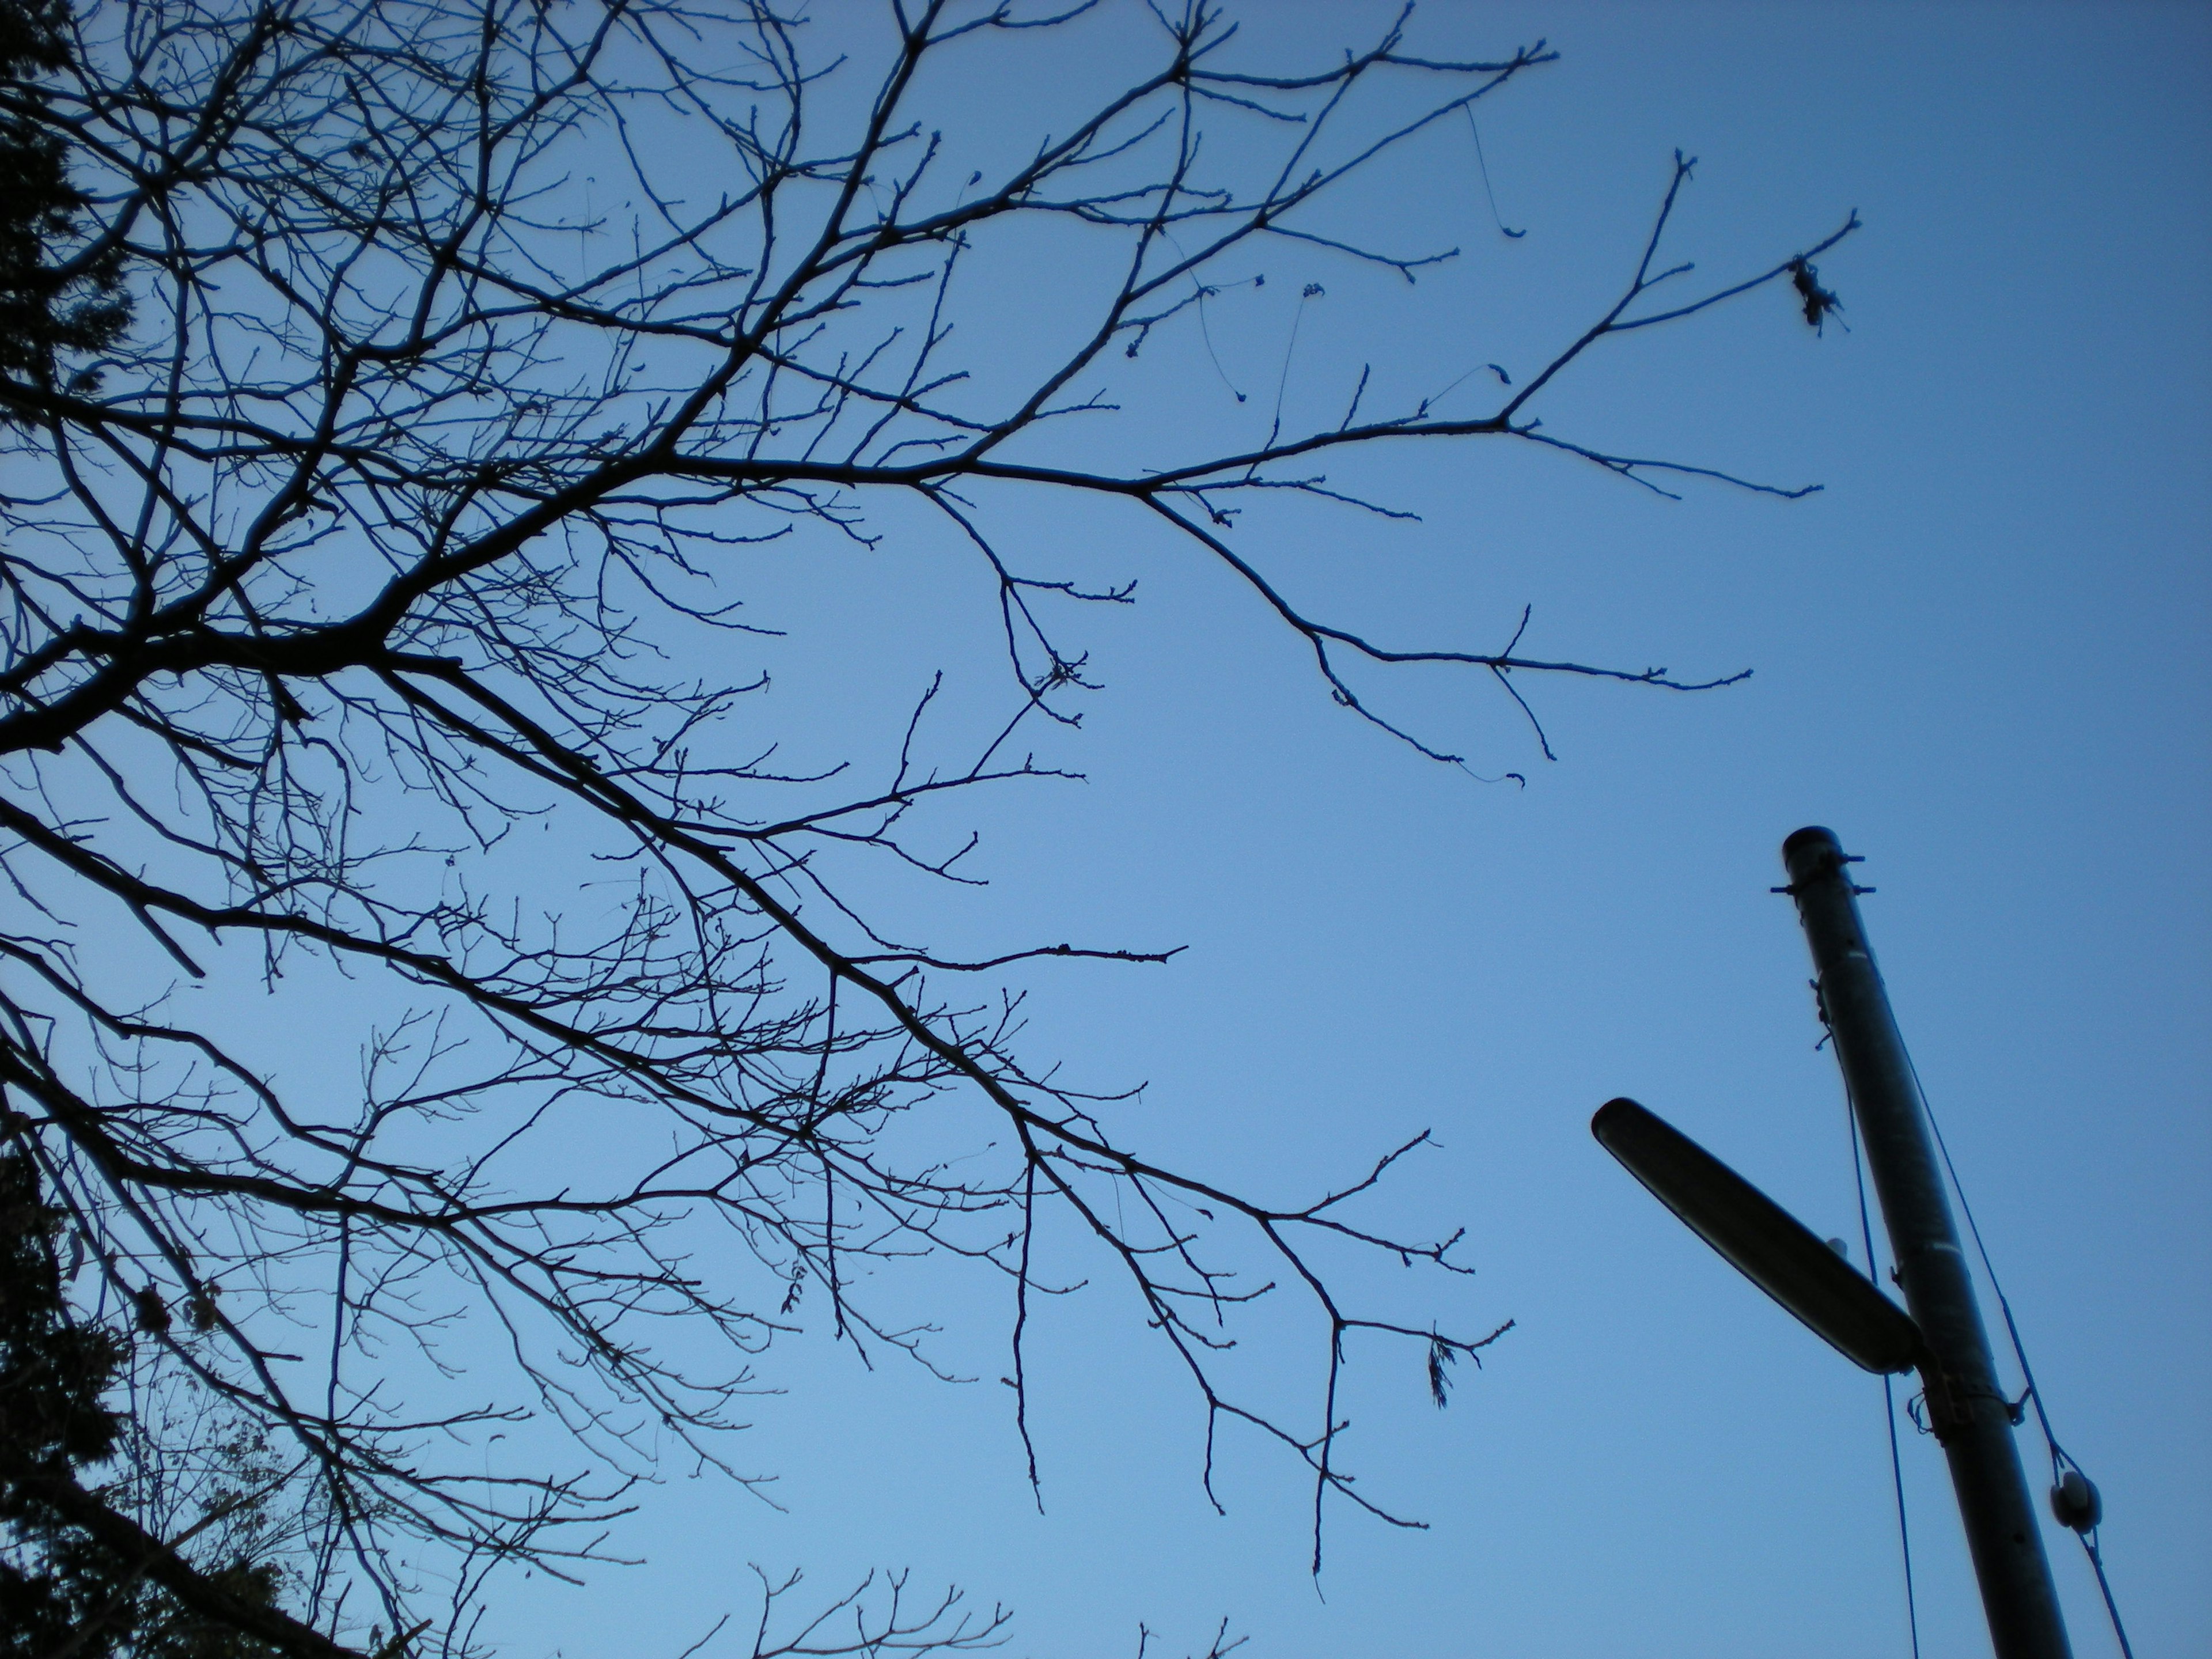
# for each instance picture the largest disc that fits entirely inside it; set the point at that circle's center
(2076, 1502)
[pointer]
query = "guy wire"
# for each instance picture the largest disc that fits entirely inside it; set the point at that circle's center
(1889, 1395)
(2060, 1459)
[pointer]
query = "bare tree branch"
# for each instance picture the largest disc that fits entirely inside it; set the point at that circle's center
(372, 642)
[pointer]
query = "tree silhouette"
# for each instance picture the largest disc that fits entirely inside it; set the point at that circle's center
(46, 309)
(85, 1577)
(372, 606)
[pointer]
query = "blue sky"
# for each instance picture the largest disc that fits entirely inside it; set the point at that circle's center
(1979, 655)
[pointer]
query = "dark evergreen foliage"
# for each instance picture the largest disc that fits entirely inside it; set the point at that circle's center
(52, 1374)
(47, 306)
(65, 1594)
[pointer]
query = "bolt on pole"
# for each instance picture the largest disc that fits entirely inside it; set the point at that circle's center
(1966, 1409)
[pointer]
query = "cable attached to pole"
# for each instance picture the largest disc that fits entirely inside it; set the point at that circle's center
(1888, 1394)
(2061, 1461)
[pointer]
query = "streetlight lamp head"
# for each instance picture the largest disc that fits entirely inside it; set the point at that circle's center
(1762, 1240)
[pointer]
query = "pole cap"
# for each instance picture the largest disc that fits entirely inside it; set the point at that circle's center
(1810, 841)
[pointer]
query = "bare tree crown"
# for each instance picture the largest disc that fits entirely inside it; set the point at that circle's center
(472, 347)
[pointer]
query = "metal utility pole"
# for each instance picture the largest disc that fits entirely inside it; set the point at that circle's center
(1967, 1411)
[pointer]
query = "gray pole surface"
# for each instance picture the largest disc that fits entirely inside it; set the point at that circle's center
(1965, 1408)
